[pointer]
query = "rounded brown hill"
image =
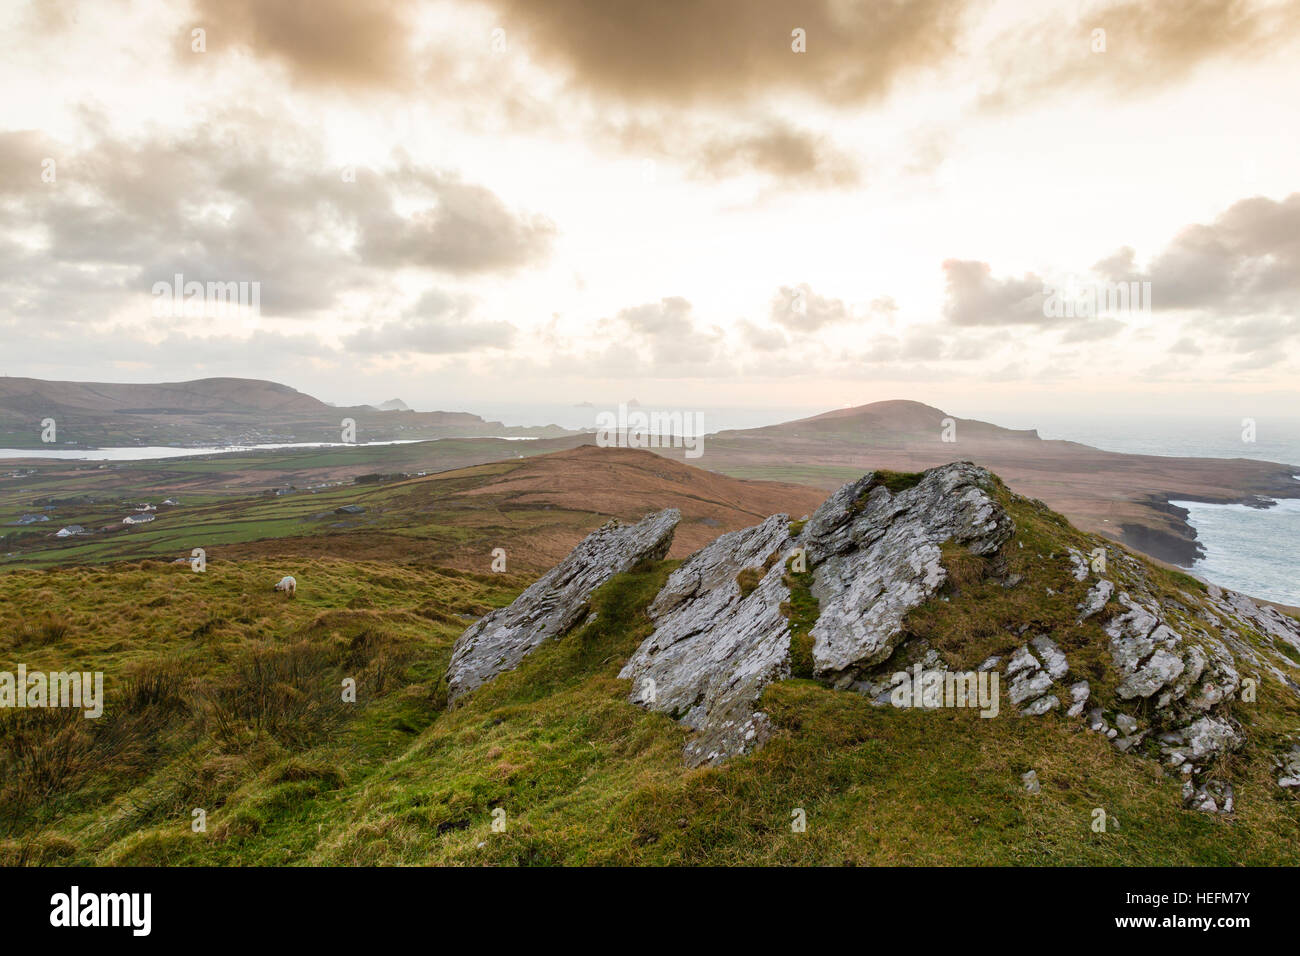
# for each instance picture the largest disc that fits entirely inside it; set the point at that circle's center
(539, 508)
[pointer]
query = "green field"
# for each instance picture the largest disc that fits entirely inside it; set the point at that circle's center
(224, 501)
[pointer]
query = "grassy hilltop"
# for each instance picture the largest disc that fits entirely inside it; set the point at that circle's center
(224, 696)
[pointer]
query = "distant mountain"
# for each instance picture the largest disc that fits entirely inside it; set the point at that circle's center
(33, 396)
(393, 405)
(892, 421)
(1125, 497)
(215, 411)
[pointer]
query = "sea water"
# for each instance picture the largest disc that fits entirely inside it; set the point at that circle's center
(1253, 550)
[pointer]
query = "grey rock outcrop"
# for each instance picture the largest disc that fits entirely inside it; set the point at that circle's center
(1097, 598)
(1161, 660)
(876, 556)
(1079, 694)
(556, 601)
(1033, 677)
(1167, 655)
(717, 642)
(1288, 766)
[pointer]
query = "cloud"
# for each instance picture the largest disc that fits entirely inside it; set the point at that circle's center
(1234, 281)
(1237, 278)
(337, 43)
(1245, 262)
(720, 146)
(1147, 44)
(781, 151)
(22, 155)
(762, 338)
(246, 198)
(438, 324)
(975, 298)
(662, 339)
(800, 309)
(686, 52)
(465, 229)
(1092, 330)
(98, 351)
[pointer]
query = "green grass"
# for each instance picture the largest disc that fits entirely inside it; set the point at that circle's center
(801, 611)
(226, 697)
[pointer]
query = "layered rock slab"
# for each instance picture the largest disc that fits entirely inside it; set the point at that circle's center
(555, 602)
(877, 555)
(720, 637)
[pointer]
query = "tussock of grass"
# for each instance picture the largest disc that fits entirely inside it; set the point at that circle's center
(801, 611)
(748, 579)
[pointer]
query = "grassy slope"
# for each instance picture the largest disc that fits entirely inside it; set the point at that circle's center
(210, 522)
(223, 696)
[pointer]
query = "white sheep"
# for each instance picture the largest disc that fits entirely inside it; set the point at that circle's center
(288, 585)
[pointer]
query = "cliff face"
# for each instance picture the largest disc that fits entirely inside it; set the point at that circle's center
(932, 590)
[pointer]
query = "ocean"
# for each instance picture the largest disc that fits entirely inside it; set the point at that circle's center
(1253, 550)
(156, 452)
(1248, 549)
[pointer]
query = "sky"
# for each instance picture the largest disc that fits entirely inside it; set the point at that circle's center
(740, 203)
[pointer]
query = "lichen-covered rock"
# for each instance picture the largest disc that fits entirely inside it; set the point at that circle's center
(1288, 765)
(1022, 660)
(556, 601)
(1097, 599)
(1079, 694)
(1028, 685)
(1041, 706)
(1213, 796)
(876, 556)
(718, 642)
(1078, 565)
(1201, 739)
(1052, 656)
(1143, 650)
